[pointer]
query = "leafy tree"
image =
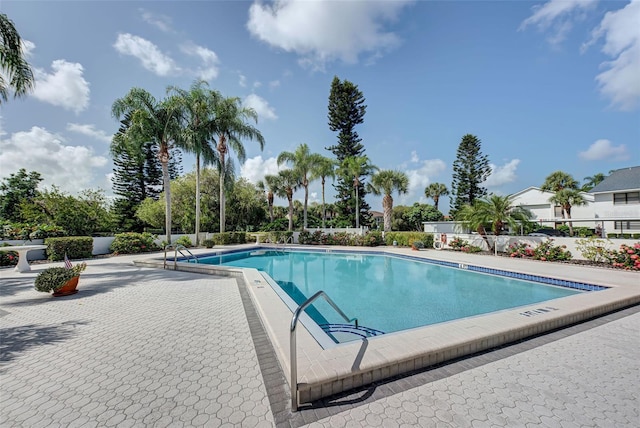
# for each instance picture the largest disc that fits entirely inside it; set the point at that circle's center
(494, 213)
(248, 210)
(268, 185)
(287, 183)
(566, 192)
(434, 191)
(470, 169)
(152, 121)
(346, 110)
(592, 181)
(196, 108)
(15, 72)
(302, 162)
(419, 213)
(385, 183)
(323, 168)
(356, 167)
(16, 189)
(152, 212)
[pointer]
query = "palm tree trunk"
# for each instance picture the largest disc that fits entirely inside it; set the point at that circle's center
(197, 241)
(270, 201)
(324, 213)
(387, 208)
(166, 182)
(436, 199)
(222, 196)
(357, 209)
(306, 200)
(290, 212)
(568, 210)
(483, 233)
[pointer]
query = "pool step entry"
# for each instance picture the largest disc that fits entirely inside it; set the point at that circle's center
(360, 331)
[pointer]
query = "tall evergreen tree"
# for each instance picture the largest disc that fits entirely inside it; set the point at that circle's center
(16, 189)
(470, 169)
(346, 110)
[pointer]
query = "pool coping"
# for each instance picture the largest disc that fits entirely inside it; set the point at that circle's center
(325, 372)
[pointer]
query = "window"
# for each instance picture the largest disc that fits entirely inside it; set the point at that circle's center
(627, 225)
(626, 198)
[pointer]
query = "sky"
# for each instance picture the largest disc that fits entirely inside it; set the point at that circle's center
(545, 85)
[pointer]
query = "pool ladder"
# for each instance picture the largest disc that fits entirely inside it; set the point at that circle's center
(178, 249)
(292, 341)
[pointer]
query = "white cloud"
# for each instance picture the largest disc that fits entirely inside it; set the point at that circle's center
(64, 87)
(274, 84)
(322, 31)
(72, 168)
(261, 106)
(502, 174)
(242, 80)
(620, 82)
(27, 48)
(209, 68)
(149, 54)
(254, 169)
(90, 131)
(605, 150)
(161, 22)
(557, 16)
(419, 178)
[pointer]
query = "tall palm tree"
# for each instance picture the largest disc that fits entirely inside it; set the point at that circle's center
(302, 162)
(287, 183)
(268, 185)
(568, 198)
(559, 180)
(155, 121)
(195, 108)
(324, 168)
(231, 127)
(15, 72)
(434, 191)
(493, 212)
(356, 167)
(384, 183)
(592, 181)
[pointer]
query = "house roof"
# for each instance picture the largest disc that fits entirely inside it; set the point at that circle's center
(620, 180)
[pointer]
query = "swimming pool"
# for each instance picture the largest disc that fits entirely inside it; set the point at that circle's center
(390, 294)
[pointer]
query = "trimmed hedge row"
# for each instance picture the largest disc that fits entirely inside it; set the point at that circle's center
(75, 247)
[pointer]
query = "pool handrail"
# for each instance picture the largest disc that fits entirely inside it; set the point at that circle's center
(177, 248)
(292, 341)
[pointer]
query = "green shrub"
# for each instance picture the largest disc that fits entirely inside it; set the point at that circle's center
(133, 243)
(75, 247)
(52, 279)
(612, 235)
(583, 232)
(459, 244)
(227, 238)
(29, 232)
(546, 251)
(208, 243)
(184, 240)
(627, 257)
(594, 249)
(635, 235)
(405, 239)
(520, 250)
(8, 258)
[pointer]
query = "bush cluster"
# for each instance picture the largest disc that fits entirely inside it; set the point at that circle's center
(75, 247)
(406, 239)
(227, 238)
(184, 240)
(594, 249)
(8, 258)
(627, 257)
(459, 244)
(133, 243)
(27, 232)
(545, 251)
(371, 239)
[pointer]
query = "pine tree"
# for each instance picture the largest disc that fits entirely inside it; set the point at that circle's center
(346, 110)
(470, 169)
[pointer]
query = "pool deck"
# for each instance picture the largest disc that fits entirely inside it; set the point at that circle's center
(143, 347)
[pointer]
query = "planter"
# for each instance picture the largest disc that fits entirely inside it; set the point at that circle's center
(68, 288)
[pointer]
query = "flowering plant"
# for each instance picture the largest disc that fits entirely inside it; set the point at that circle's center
(627, 257)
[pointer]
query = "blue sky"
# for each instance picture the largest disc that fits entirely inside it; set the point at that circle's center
(546, 86)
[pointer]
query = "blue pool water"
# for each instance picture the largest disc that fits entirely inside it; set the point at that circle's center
(390, 293)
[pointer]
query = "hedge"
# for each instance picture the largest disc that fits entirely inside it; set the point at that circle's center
(75, 247)
(406, 239)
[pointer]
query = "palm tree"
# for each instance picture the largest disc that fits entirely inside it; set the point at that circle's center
(231, 127)
(196, 107)
(287, 183)
(323, 169)
(155, 121)
(568, 198)
(385, 182)
(302, 162)
(15, 71)
(593, 181)
(434, 191)
(268, 185)
(494, 212)
(559, 180)
(356, 167)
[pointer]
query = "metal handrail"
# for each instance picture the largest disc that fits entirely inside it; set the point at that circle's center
(292, 341)
(177, 248)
